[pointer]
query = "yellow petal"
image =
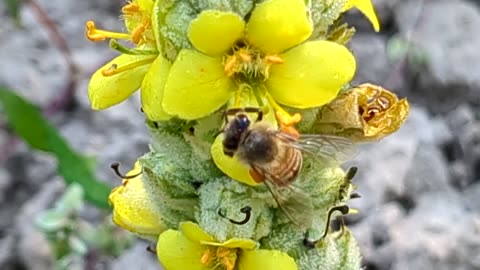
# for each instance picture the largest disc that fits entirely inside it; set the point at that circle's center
(152, 90)
(278, 25)
(311, 75)
(106, 91)
(266, 259)
(213, 32)
(176, 252)
(132, 210)
(366, 7)
(246, 244)
(196, 86)
(230, 166)
(193, 232)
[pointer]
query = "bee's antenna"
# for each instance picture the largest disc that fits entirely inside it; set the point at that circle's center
(246, 210)
(116, 166)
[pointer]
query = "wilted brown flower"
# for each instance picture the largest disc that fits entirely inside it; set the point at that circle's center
(365, 113)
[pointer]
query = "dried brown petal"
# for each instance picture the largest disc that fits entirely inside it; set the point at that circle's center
(364, 113)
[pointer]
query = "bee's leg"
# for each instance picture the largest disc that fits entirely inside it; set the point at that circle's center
(231, 112)
(258, 111)
(256, 176)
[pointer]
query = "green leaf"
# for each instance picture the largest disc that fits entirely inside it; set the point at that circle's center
(28, 123)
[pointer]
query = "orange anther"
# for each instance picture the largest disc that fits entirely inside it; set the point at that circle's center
(137, 33)
(91, 32)
(130, 8)
(273, 59)
(245, 56)
(229, 65)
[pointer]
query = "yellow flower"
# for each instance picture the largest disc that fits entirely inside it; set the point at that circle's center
(366, 7)
(365, 113)
(194, 249)
(121, 77)
(269, 53)
(132, 210)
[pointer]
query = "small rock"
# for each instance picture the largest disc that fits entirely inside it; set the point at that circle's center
(373, 235)
(404, 164)
(450, 48)
(5, 183)
(471, 197)
(465, 167)
(428, 173)
(6, 251)
(439, 234)
(137, 257)
(370, 52)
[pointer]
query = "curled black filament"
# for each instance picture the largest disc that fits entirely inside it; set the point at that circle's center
(116, 166)
(342, 209)
(247, 210)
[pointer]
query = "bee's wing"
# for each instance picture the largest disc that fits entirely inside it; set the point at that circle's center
(330, 150)
(296, 205)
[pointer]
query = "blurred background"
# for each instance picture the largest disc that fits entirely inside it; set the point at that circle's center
(420, 187)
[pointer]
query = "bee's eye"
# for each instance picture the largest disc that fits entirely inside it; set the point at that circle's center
(243, 122)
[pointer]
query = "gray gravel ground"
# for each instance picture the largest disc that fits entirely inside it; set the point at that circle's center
(420, 187)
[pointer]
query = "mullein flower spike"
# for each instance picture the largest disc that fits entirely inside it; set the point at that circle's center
(193, 60)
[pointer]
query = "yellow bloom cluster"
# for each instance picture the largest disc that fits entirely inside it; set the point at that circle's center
(268, 53)
(266, 60)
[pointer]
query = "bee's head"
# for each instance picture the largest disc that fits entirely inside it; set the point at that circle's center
(234, 132)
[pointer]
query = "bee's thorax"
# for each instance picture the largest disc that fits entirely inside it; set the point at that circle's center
(258, 146)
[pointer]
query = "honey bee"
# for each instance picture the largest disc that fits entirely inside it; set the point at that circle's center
(275, 158)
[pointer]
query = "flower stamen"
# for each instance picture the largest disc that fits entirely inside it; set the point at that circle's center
(273, 59)
(137, 33)
(207, 257)
(285, 120)
(114, 69)
(94, 34)
(131, 8)
(230, 65)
